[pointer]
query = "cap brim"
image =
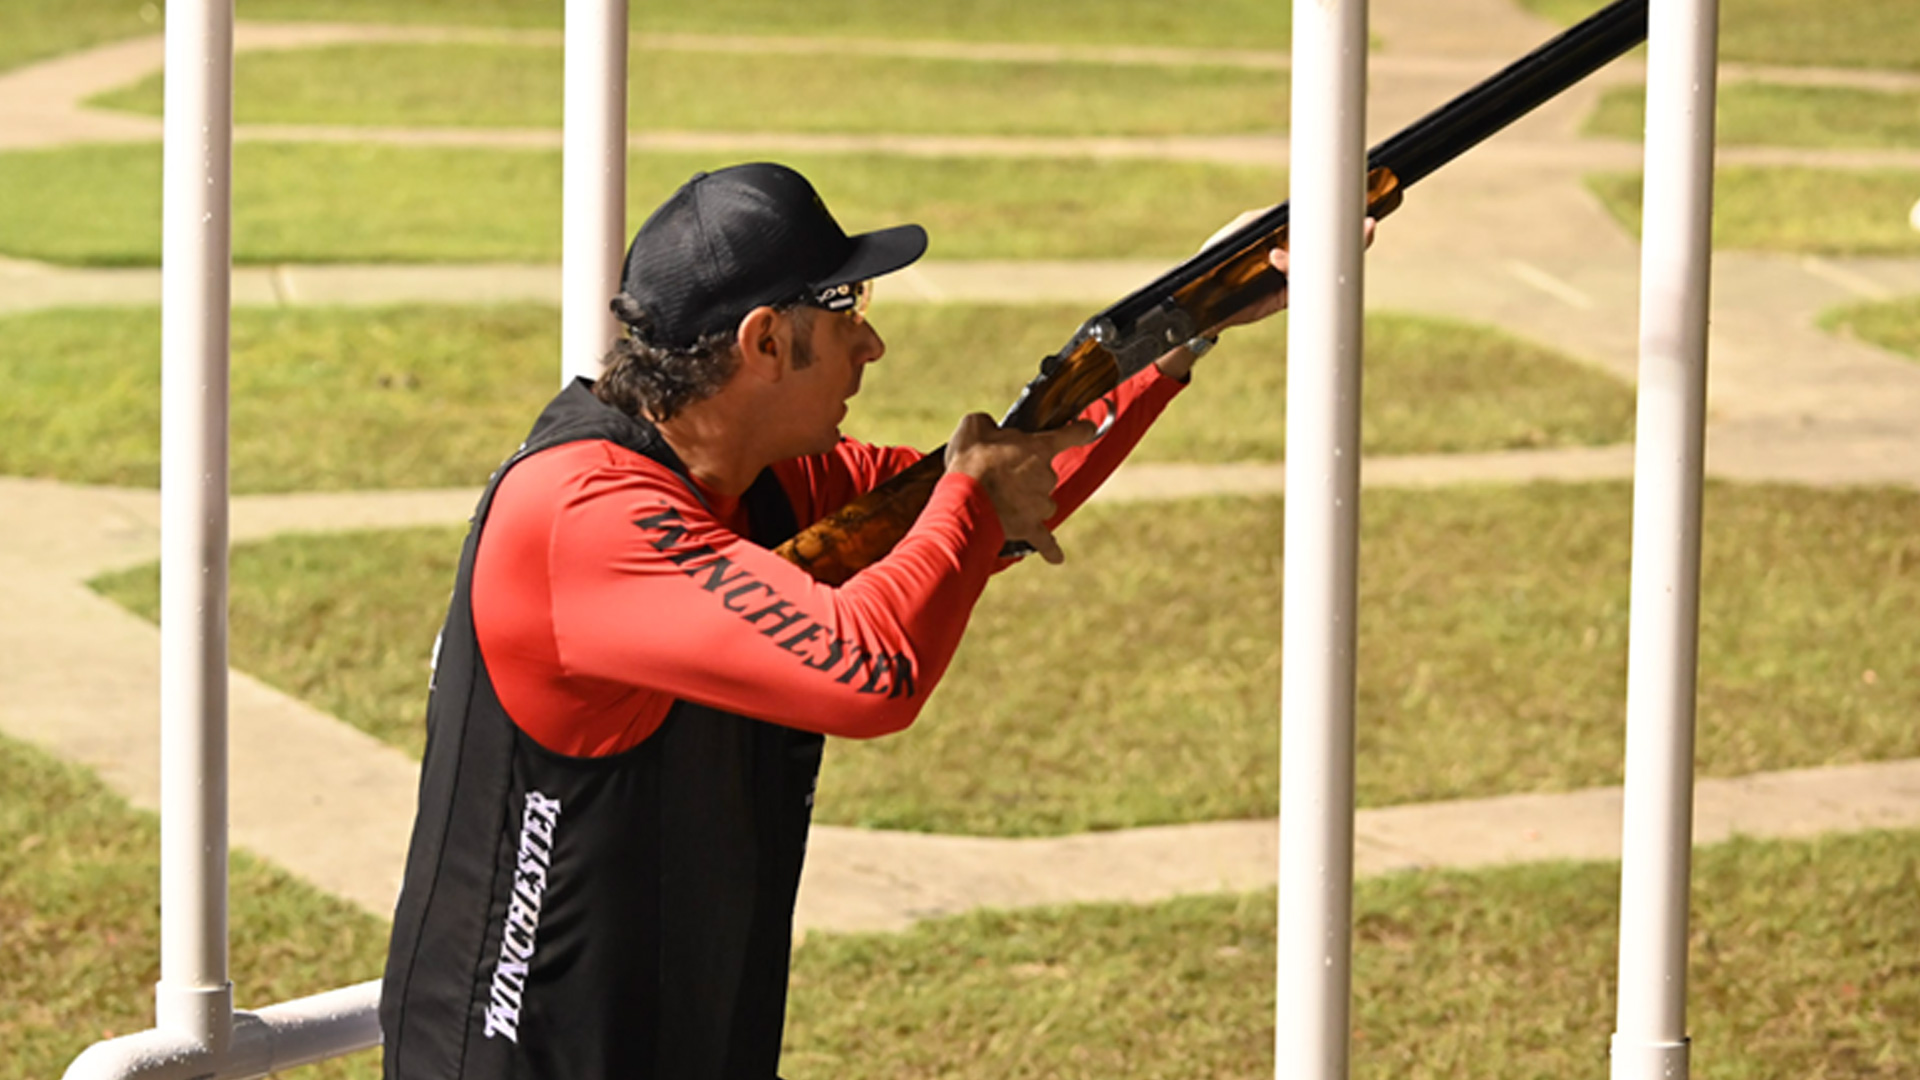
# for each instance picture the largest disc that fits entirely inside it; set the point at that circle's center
(879, 252)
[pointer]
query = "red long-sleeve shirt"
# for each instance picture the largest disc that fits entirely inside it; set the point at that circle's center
(606, 587)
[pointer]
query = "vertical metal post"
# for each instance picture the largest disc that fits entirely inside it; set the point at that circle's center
(1650, 1035)
(594, 182)
(1322, 520)
(194, 996)
(195, 1033)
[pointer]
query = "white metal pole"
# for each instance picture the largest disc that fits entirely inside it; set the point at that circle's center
(271, 1040)
(594, 182)
(1322, 518)
(194, 996)
(196, 1032)
(1650, 1036)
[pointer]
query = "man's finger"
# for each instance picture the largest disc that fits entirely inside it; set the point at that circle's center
(975, 426)
(1044, 543)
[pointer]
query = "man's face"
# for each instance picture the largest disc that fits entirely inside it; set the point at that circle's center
(830, 351)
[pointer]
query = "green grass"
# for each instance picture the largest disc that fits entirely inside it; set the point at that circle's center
(100, 205)
(30, 29)
(1857, 33)
(504, 86)
(1797, 210)
(346, 621)
(1237, 23)
(33, 30)
(1803, 966)
(80, 933)
(322, 399)
(303, 203)
(1893, 325)
(1762, 114)
(408, 397)
(1139, 683)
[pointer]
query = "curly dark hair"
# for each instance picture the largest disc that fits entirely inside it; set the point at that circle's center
(641, 378)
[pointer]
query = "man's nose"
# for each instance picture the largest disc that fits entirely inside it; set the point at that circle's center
(874, 347)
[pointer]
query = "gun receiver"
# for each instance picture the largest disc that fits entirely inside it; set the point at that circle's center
(1195, 297)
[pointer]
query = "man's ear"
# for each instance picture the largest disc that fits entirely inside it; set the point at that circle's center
(764, 342)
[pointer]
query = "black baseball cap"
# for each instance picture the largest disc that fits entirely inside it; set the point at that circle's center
(731, 240)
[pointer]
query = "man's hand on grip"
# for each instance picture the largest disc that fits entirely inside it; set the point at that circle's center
(1016, 469)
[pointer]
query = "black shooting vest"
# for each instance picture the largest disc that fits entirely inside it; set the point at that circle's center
(624, 917)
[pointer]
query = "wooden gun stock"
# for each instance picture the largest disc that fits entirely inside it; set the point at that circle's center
(1200, 294)
(860, 533)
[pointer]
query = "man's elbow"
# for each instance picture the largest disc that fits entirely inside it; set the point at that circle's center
(883, 718)
(888, 693)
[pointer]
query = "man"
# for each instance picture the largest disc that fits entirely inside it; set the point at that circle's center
(631, 689)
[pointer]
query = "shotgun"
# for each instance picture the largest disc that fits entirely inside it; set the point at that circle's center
(1197, 296)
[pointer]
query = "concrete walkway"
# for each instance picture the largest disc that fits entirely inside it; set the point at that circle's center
(1507, 236)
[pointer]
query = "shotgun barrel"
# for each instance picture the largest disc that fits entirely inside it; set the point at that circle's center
(1410, 155)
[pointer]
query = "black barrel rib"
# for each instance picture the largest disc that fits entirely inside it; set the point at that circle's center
(1522, 86)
